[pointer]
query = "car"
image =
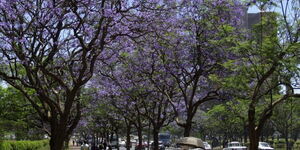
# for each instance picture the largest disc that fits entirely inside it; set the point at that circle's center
(235, 146)
(122, 143)
(207, 146)
(264, 146)
(133, 141)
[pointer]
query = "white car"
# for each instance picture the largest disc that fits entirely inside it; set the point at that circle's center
(264, 146)
(235, 146)
(122, 143)
(207, 146)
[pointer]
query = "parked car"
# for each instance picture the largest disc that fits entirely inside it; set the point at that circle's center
(207, 146)
(264, 146)
(235, 146)
(122, 143)
(133, 142)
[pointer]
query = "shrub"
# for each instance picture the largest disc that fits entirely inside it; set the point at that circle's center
(281, 145)
(297, 144)
(281, 141)
(23, 145)
(5, 145)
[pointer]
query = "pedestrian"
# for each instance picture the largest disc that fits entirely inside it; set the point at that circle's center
(104, 145)
(73, 142)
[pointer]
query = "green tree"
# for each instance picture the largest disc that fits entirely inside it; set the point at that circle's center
(223, 121)
(286, 120)
(17, 117)
(263, 66)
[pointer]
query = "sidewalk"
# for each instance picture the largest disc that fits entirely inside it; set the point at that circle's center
(74, 147)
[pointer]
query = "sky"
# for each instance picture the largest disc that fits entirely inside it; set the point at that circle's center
(253, 9)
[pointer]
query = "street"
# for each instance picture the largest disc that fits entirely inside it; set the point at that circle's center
(121, 148)
(168, 148)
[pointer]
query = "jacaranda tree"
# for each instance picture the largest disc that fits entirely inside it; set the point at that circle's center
(133, 95)
(189, 53)
(49, 49)
(126, 80)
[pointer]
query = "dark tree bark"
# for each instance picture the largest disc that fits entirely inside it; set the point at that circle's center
(140, 137)
(155, 133)
(253, 135)
(139, 126)
(118, 147)
(254, 139)
(128, 131)
(187, 128)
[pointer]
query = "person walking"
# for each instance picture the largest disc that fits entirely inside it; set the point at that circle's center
(104, 145)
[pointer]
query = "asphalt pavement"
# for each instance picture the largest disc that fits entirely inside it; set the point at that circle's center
(74, 147)
(121, 148)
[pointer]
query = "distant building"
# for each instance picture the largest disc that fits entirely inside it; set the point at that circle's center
(251, 19)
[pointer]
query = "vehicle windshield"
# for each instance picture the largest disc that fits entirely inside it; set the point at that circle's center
(264, 144)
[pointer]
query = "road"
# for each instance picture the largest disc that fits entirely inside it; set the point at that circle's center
(74, 147)
(169, 148)
(121, 148)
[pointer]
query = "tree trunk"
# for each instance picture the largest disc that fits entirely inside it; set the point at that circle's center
(253, 134)
(245, 138)
(149, 132)
(66, 143)
(286, 136)
(118, 146)
(93, 144)
(187, 128)
(140, 136)
(225, 140)
(128, 129)
(245, 135)
(254, 139)
(57, 142)
(97, 139)
(287, 143)
(59, 134)
(155, 138)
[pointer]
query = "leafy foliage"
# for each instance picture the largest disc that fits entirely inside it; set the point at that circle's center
(23, 145)
(17, 116)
